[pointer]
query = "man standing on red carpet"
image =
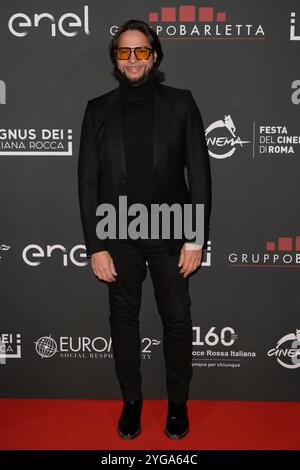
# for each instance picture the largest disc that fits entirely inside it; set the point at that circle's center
(136, 141)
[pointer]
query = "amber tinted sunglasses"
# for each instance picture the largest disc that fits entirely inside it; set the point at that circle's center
(141, 53)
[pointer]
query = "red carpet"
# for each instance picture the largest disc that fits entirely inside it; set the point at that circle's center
(91, 424)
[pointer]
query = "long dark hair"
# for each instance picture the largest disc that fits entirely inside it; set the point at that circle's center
(153, 41)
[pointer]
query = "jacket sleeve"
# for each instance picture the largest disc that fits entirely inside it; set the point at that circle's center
(88, 184)
(198, 164)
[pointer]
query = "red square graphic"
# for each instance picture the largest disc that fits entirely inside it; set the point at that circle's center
(206, 14)
(221, 17)
(285, 243)
(153, 17)
(168, 14)
(187, 13)
(298, 243)
(270, 246)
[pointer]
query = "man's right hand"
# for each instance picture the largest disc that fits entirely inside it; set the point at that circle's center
(103, 266)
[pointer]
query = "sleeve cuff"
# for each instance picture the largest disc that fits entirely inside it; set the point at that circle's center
(192, 246)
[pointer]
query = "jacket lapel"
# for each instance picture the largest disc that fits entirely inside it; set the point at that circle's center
(115, 146)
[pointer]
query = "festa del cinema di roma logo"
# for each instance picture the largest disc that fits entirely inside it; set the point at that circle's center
(287, 351)
(222, 135)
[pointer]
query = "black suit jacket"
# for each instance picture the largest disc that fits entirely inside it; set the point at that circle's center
(179, 144)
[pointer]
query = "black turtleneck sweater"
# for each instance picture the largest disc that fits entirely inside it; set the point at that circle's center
(137, 111)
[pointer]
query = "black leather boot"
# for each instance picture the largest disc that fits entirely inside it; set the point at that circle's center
(129, 425)
(177, 424)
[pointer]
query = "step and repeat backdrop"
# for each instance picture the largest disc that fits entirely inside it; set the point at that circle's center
(240, 59)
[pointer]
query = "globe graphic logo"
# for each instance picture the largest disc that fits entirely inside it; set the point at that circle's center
(46, 346)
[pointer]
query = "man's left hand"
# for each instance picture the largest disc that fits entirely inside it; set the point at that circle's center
(189, 260)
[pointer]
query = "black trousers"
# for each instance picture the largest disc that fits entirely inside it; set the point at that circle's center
(173, 303)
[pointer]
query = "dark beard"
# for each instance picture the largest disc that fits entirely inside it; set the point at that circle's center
(148, 74)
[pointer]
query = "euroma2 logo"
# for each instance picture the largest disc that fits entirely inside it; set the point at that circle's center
(3, 249)
(287, 351)
(84, 347)
(283, 252)
(200, 21)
